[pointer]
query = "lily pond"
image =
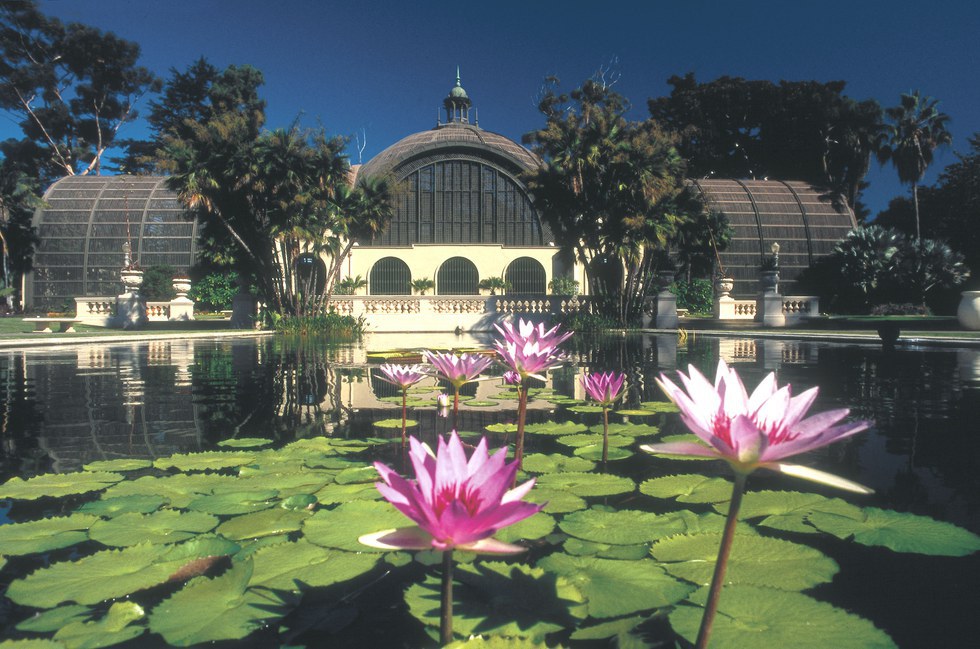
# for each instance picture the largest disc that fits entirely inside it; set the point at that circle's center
(176, 493)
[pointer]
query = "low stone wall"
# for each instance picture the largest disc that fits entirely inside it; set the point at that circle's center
(101, 311)
(794, 308)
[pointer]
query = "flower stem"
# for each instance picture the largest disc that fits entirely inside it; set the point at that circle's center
(404, 412)
(456, 408)
(721, 563)
(446, 607)
(605, 435)
(521, 417)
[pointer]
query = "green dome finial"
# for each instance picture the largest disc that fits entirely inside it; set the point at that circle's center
(457, 91)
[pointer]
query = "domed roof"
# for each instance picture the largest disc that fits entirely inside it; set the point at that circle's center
(444, 141)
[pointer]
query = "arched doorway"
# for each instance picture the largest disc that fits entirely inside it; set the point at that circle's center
(390, 276)
(457, 276)
(526, 277)
(311, 274)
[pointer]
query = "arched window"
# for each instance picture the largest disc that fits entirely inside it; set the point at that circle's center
(526, 276)
(311, 274)
(457, 276)
(390, 276)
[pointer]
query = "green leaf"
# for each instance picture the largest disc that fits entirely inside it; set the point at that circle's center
(554, 428)
(901, 532)
(585, 409)
(754, 560)
(206, 461)
(115, 627)
(245, 442)
(659, 406)
(163, 526)
(109, 507)
(587, 484)
(591, 439)
(178, 490)
(622, 527)
(287, 565)
(581, 548)
(633, 412)
(234, 503)
(299, 501)
(344, 493)
(123, 464)
(395, 423)
(31, 644)
(340, 527)
(222, 608)
(502, 428)
(480, 404)
(45, 534)
(501, 599)
(535, 526)
(594, 452)
(267, 522)
(58, 485)
(629, 430)
(608, 629)
(366, 474)
(765, 618)
(555, 463)
(690, 488)
(104, 575)
(286, 482)
(54, 619)
(556, 501)
(616, 588)
(789, 510)
(498, 642)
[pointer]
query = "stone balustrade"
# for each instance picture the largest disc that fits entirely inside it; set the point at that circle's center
(795, 308)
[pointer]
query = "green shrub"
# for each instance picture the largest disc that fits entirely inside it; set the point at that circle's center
(158, 284)
(696, 296)
(563, 286)
(338, 328)
(906, 308)
(215, 291)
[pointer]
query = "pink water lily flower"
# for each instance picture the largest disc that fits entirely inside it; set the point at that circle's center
(403, 376)
(457, 369)
(528, 349)
(756, 431)
(604, 388)
(456, 502)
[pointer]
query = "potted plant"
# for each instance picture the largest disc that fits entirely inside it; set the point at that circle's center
(769, 271)
(494, 284)
(422, 285)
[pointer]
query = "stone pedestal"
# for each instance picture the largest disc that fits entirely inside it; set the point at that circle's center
(130, 311)
(666, 309)
(724, 304)
(181, 307)
(244, 308)
(769, 310)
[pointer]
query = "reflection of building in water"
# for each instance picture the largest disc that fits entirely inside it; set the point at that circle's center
(103, 402)
(770, 353)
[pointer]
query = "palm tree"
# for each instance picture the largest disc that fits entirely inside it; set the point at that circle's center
(916, 130)
(363, 211)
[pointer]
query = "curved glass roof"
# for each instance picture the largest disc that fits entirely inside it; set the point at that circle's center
(83, 224)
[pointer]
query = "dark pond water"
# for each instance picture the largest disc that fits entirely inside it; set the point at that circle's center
(60, 409)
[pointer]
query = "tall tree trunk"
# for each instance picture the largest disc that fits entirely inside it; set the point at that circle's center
(915, 201)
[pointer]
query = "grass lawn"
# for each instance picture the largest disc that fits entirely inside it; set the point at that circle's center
(13, 328)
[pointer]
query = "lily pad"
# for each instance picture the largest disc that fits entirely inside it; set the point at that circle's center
(503, 428)
(634, 412)
(163, 526)
(589, 439)
(234, 503)
(789, 510)
(494, 598)
(609, 629)
(222, 608)
(587, 484)
(359, 475)
(535, 526)
(486, 403)
(622, 527)
(45, 534)
(109, 574)
(766, 618)
(345, 493)
(629, 430)
(54, 619)
(557, 501)
(555, 428)
(122, 464)
(206, 461)
(555, 463)
(585, 409)
(109, 507)
(113, 628)
(754, 560)
(178, 490)
(616, 588)
(395, 423)
(340, 527)
(245, 442)
(58, 485)
(659, 406)
(267, 522)
(689, 488)
(901, 532)
(291, 566)
(582, 548)
(594, 452)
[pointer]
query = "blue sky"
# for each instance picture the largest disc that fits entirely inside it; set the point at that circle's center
(381, 69)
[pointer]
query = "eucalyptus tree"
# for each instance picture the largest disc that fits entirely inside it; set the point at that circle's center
(612, 190)
(18, 199)
(916, 128)
(71, 88)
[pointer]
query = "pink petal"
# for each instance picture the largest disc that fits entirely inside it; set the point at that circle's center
(681, 448)
(815, 475)
(762, 392)
(492, 546)
(748, 441)
(403, 538)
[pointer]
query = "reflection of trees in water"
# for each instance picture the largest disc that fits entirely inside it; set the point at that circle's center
(20, 421)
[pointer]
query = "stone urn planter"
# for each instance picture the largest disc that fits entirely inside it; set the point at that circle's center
(132, 279)
(724, 286)
(768, 281)
(968, 312)
(181, 286)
